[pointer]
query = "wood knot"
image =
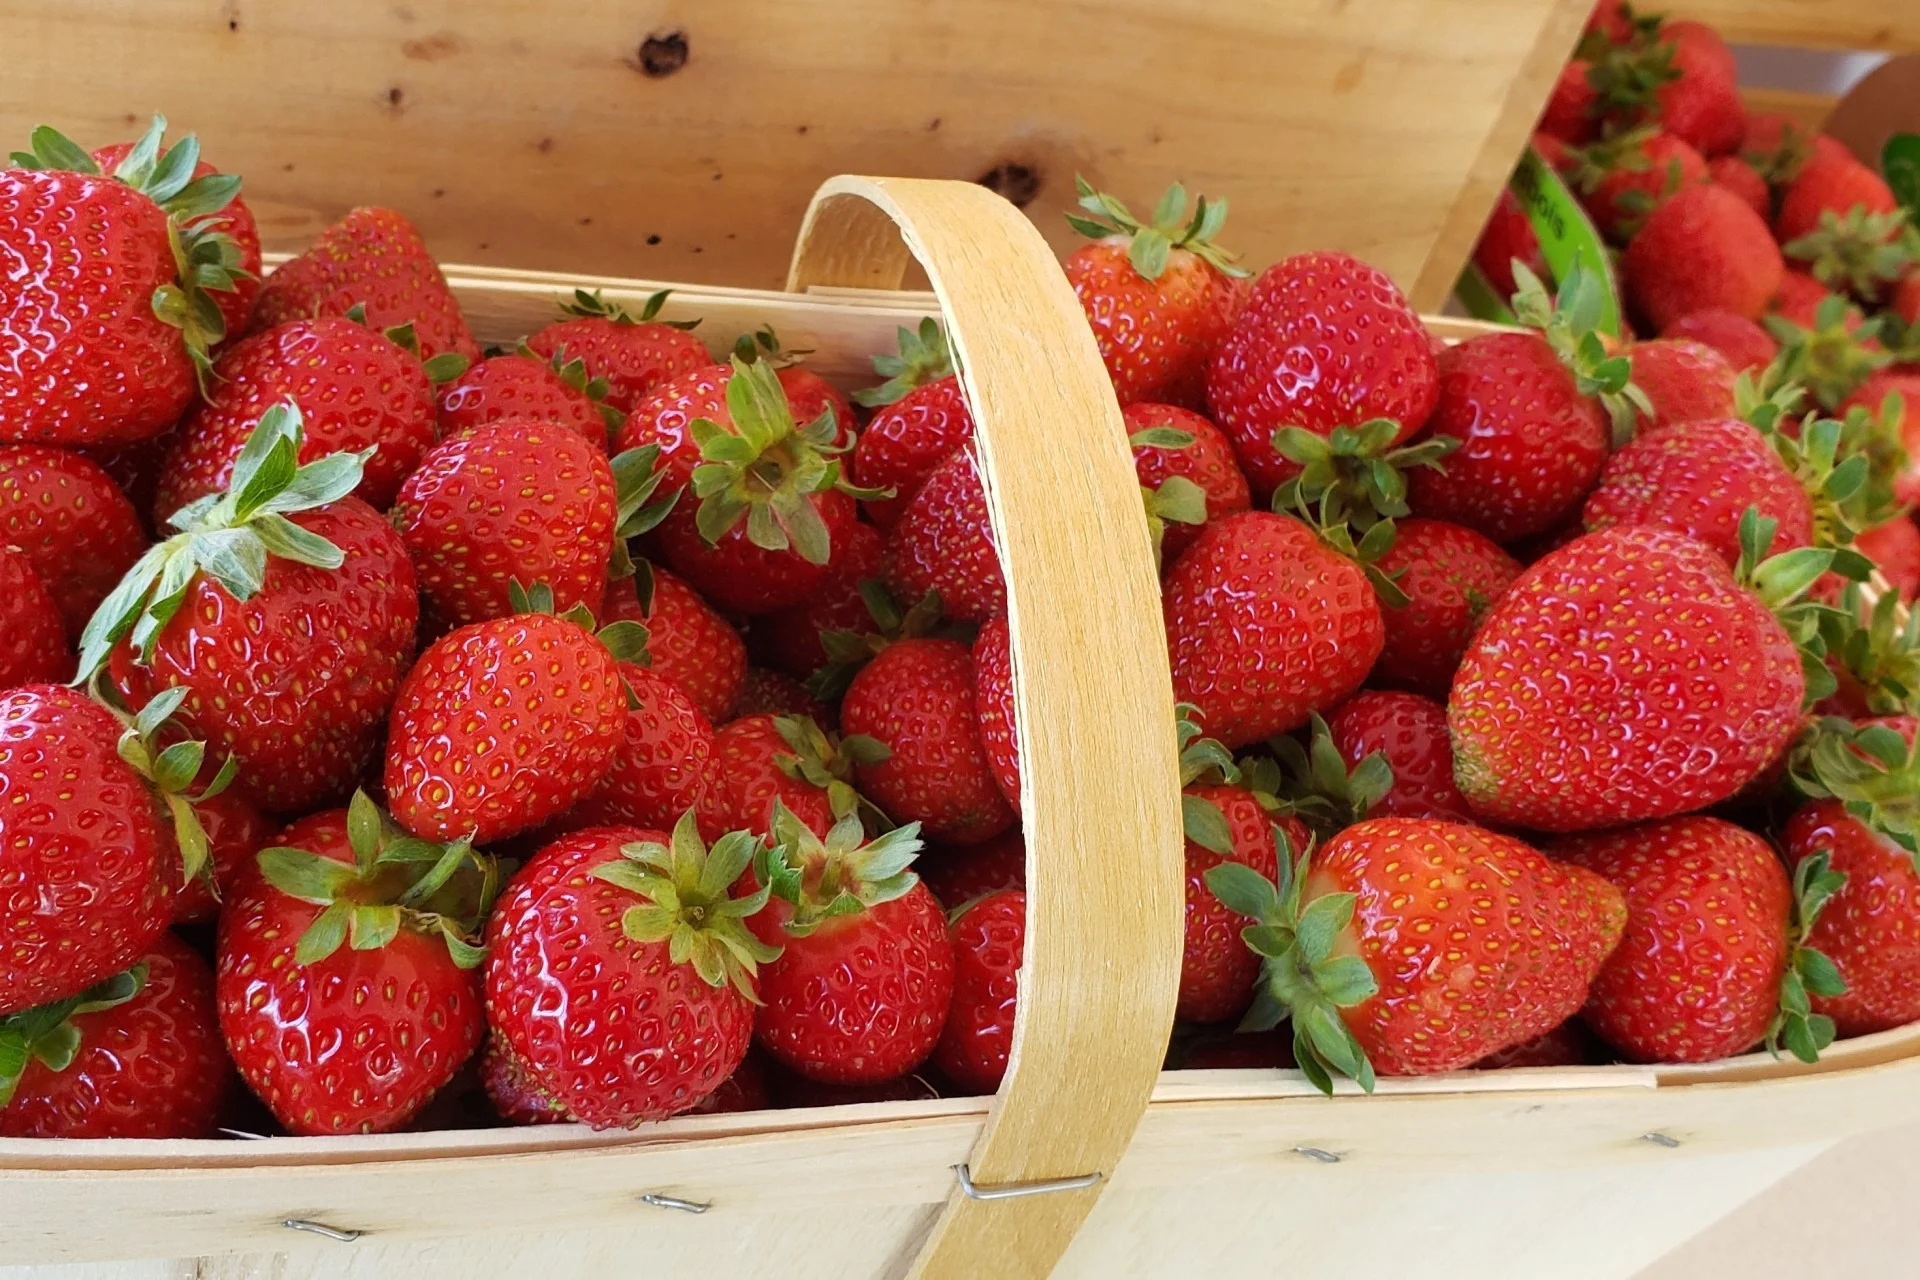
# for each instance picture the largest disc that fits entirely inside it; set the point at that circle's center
(1019, 183)
(661, 54)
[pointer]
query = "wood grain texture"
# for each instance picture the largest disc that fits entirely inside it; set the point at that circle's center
(517, 138)
(1890, 25)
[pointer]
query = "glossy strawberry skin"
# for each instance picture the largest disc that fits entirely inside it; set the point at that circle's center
(862, 998)
(1703, 248)
(1870, 929)
(989, 941)
(944, 542)
(86, 255)
(33, 640)
(1697, 478)
(1209, 462)
(72, 521)
(1685, 381)
(509, 387)
(737, 575)
(691, 645)
(153, 1067)
(357, 1042)
(236, 831)
(236, 222)
(609, 1028)
(1266, 625)
(375, 259)
(1742, 343)
(1325, 341)
(663, 765)
(88, 864)
(294, 683)
(1217, 970)
(1696, 976)
(1624, 677)
(517, 499)
(1411, 732)
(904, 442)
(665, 415)
(1451, 577)
(957, 874)
(1477, 941)
(993, 707)
(1531, 445)
(747, 779)
(635, 359)
(355, 390)
(500, 726)
(789, 640)
(916, 698)
(1159, 336)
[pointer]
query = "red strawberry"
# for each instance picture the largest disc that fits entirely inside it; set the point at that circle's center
(355, 389)
(1621, 179)
(944, 542)
(1206, 463)
(1382, 949)
(1451, 576)
(72, 522)
(584, 990)
(329, 942)
(993, 706)
(1568, 1045)
(1325, 341)
(691, 645)
(1743, 344)
(1410, 733)
(1613, 21)
(1738, 176)
(1698, 478)
(1702, 103)
(1836, 183)
(290, 660)
(633, 354)
(916, 700)
(1160, 296)
(1870, 927)
(373, 259)
(135, 1056)
(1906, 298)
(502, 725)
(1779, 147)
(960, 873)
(109, 299)
(522, 386)
(769, 693)
(763, 760)
(664, 763)
(33, 646)
(1894, 548)
(514, 1095)
(1799, 299)
(1509, 234)
(1626, 676)
(1704, 248)
(1267, 624)
(860, 991)
(792, 640)
(235, 832)
(1569, 114)
(517, 500)
(989, 942)
(1684, 381)
(920, 417)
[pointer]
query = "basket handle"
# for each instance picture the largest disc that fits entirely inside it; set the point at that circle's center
(1100, 774)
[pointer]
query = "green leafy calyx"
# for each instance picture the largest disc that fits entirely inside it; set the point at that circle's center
(924, 357)
(841, 875)
(1570, 325)
(826, 762)
(1354, 475)
(1151, 244)
(849, 651)
(592, 304)
(1809, 973)
(47, 1035)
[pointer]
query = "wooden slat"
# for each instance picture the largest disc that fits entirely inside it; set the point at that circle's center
(1889, 25)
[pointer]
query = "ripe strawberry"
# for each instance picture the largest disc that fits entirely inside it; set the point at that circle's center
(1743, 344)
(33, 646)
(920, 416)
(1450, 576)
(663, 765)
(1569, 114)
(960, 873)
(135, 1056)
(760, 761)
(1613, 21)
(1160, 296)
(1704, 248)
(1738, 176)
(1800, 297)
(515, 1097)
(1778, 147)
(1624, 177)
(691, 645)
(355, 389)
(1905, 302)
(235, 831)
(521, 386)
(769, 693)
(1266, 624)
(634, 354)
(1568, 1045)
(793, 640)
(993, 707)
(1325, 341)
(916, 700)
(1699, 478)
(620, 973)
(943, 542)
(504, 724)
(989, 942)
(1508, 235)
(1382, 949)
(517, 500)
(1409, 733)
(1205, 462)
(1702, 103)
(285, 609)
(1870, 927)
(1832, 352)
(110, 289)
(860, 991)
(1894, 548)
(72, 522)
(1835, 183)
(349, 932)
(1629, 676)
(373, 259)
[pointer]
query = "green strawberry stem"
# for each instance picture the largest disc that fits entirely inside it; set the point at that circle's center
(823, 760)
(1150, 244)
(1808, 973)
(924, 357)
(764, 344)
(1847, 466)
(637, 475)
(1831, 359)
(1869, 769)
(1354, 475)
(1570, 325)
(440, 370)
(1207, 761)
(843, 874)
(171, 770)
(46, 1034)
(1319, 786)
(573, 372)
(1782, 581)
(1858, 252)
(849, 651)
(1877, 649)
(593, 304)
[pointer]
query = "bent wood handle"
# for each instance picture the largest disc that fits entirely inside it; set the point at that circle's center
(1094, 700)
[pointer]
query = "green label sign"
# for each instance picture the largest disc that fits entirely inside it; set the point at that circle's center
(1566, 236)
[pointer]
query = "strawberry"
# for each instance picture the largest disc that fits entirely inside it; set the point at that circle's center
(1508, 235)
(920, 417)
(522, 385)
(860, 989)
(794, 639)
(1779, 147)
(235, 831)
(664, 763)
(943, 542)
(691, 645)
(1325, 341)
(1743, 344)
(1800, 297)
(1569, 113)
(916, 700)
(1894, 548)
(989, 942)
(135, 1056)
(620, 972)
(1835, 183)
(1409, 733)
(1682, 74)
(1738, 176)
(1864, 253)
(504, 724)
(764, 761)
(1624, 177)
(1630, 675)
(809, 395)
(993, 707)
(515, 500)
(373, 259)
(1612, 22)
(111, 284)
(1267, 624)
(72, 522)
(350, 932)
(1870, 925)
(1171, 445)
(1568, 1045)
(1833, 352)
(284, 609)
(355, 389)
(960, 873)
(764, 692)
(1703, 248)
(634, 355)
(1381, 948)
(1905, 302)
(1698, 478)
(1160, 296)
(515, 1097)
(33, 647)
(1450, 577)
